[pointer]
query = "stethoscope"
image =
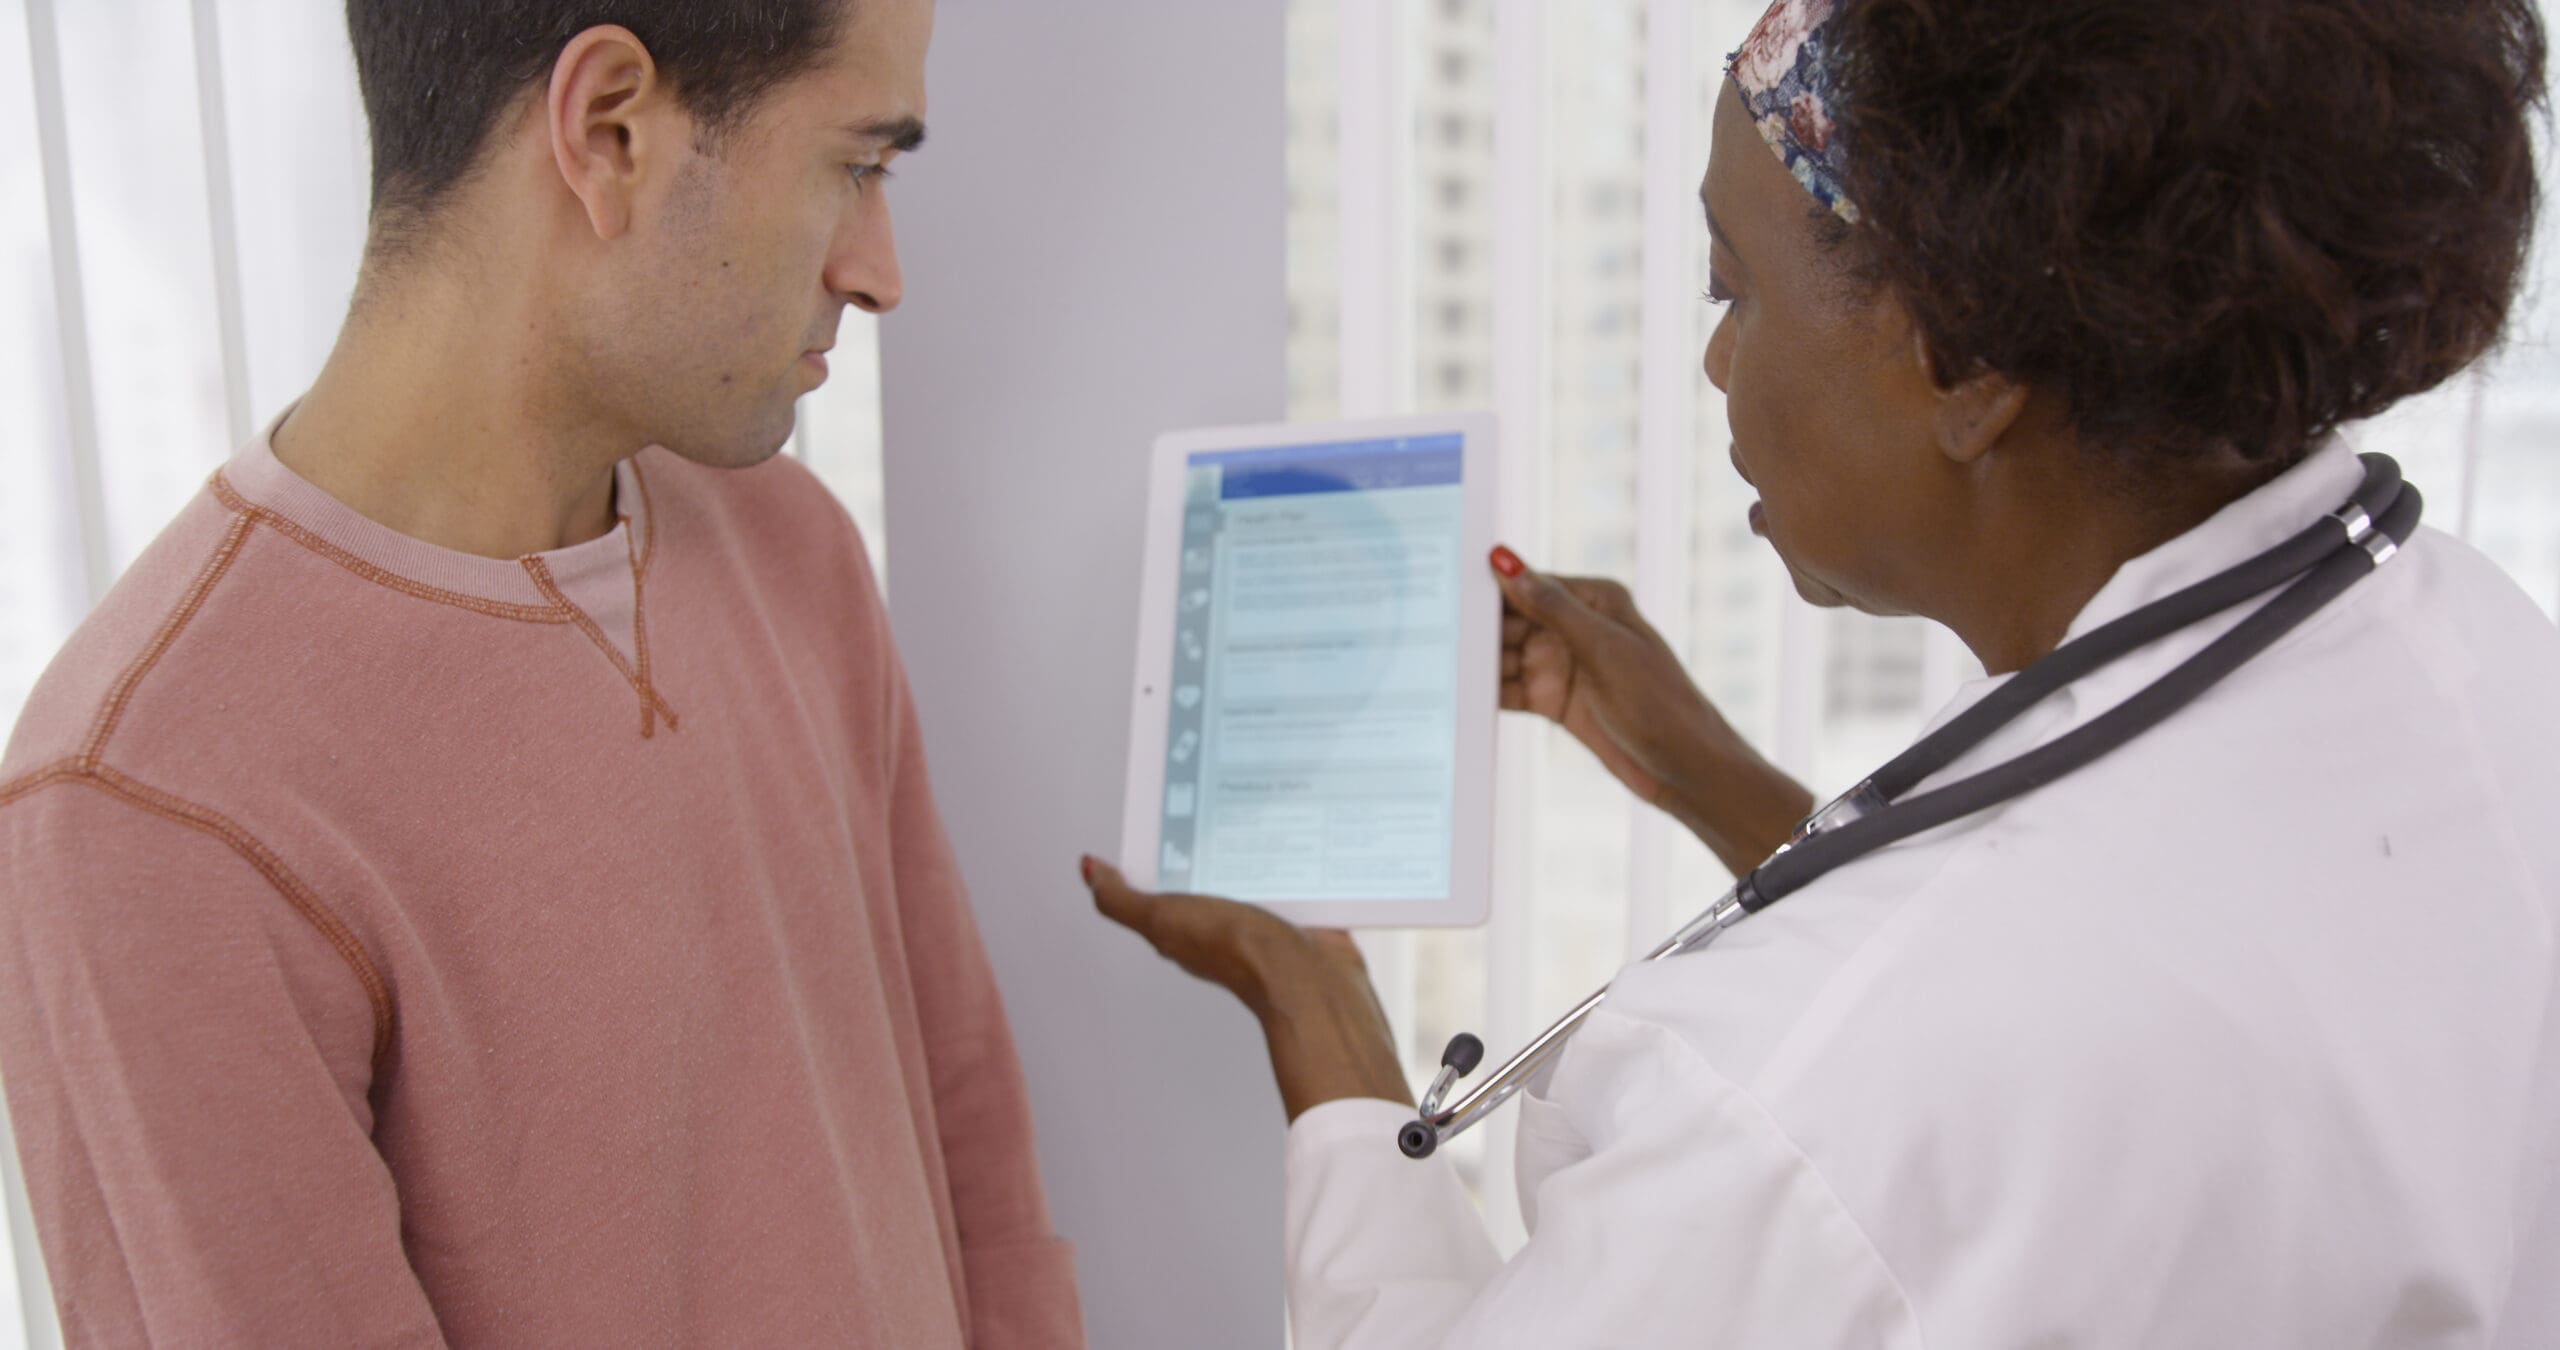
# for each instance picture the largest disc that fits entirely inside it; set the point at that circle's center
(2320, 563)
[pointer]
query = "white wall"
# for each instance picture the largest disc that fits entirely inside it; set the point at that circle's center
(1093, 251)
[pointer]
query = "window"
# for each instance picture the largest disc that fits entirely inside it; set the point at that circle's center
(1581, 191)
(172, 274)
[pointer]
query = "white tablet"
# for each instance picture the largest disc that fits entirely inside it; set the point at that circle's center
(1319, 659)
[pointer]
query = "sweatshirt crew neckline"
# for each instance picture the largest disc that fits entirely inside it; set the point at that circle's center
(361, 898)
(597, 578)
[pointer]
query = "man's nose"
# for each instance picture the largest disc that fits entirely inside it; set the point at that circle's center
(865, 270)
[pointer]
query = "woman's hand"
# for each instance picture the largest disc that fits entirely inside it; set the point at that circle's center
(1321, 1021)
(1576, 651)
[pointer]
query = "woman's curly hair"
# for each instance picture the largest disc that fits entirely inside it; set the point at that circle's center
(2205, 223)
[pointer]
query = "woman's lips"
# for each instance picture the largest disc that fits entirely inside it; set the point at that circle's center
(1759, 516)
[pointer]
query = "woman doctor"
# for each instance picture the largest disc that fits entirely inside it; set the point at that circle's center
(2245, 1035)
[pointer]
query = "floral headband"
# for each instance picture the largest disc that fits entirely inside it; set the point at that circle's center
(1786, 70)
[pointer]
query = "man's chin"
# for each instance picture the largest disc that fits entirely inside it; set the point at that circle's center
(732, 452)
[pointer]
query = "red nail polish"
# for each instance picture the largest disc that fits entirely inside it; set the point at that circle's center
(1506, 562)
(1086, 866)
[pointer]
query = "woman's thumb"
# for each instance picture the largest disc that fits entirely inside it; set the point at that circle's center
(1544, 600)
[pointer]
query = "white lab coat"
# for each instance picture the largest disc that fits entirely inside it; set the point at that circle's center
(2247, 1035)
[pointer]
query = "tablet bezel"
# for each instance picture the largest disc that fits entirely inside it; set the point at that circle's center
(1479, 665)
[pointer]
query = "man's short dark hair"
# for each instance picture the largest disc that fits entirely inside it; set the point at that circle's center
(436, 73)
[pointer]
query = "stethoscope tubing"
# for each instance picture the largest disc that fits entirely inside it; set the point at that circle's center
(2313, 567)
(2345, 564)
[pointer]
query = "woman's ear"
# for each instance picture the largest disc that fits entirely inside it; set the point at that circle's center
(1973, 412)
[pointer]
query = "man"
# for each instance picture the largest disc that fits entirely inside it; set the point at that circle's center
(475, 879)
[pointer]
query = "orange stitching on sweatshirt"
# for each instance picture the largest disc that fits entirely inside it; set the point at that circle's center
(34, 779)
(306, 902)
(303, 535)
(122, 691)
(647, 550)
(559, 610)
(648, 520)
(640, 632)
(652, 707)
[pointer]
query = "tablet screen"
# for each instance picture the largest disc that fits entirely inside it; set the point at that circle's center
(1311, 746)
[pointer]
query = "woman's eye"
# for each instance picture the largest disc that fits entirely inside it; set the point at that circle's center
(866, 173)
(1716, 294)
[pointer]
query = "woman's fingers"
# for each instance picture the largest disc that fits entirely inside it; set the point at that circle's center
(1181, 927)
(1546, 674)
(1119, 902)
(1216, 940)
(1609, 599)
(1551, 606)
(1322, 1023)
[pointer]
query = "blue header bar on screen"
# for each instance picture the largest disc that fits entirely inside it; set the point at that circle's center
(1344, 466)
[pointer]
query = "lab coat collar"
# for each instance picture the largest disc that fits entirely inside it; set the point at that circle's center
(2256, 522)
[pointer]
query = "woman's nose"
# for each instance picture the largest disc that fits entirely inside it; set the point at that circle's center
(1719, 361)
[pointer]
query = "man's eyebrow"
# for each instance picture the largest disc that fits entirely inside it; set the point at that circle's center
(903, 134)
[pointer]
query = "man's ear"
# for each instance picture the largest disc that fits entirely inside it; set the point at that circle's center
(1973, 412)
(600, 113)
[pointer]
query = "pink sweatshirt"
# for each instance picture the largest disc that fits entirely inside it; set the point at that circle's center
(401, 947)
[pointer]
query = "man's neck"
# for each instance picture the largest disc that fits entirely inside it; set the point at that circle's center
(436, 417)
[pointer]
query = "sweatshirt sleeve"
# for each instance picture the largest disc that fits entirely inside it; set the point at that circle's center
(187, 1060)
(1020, 1274)
(1692, 1221)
